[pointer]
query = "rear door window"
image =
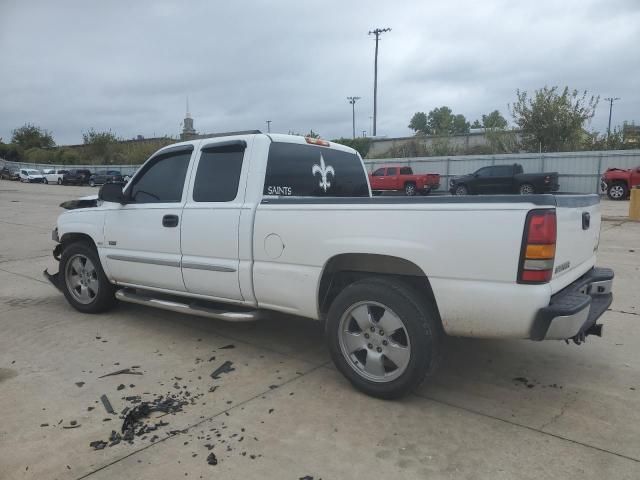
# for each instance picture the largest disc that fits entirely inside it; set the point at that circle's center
(311, 171)
(406, 171)
(218, 174)
(379, 172)
(392, 171)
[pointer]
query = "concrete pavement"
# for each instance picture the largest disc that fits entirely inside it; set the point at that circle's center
(284, 412)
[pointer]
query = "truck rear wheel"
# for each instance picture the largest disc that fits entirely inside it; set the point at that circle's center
(617, 191)
(527, 189)
(383, 336)
(83, 281)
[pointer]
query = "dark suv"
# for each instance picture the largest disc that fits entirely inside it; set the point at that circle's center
(9, 173)
(105, 176)
(76, 177)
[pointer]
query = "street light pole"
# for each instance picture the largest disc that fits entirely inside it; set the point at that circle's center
(352, 101)
(610, 100)
(377, 32)
(268, 126)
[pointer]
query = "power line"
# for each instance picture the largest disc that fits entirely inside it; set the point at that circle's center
(377, 32)
(352, 101)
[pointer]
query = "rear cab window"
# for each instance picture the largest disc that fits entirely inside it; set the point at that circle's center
(300, 170)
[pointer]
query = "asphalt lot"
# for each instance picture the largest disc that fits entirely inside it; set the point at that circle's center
(284, 412)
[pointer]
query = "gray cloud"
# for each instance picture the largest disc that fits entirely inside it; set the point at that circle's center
(128, 66)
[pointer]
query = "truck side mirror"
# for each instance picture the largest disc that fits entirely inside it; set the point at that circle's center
(112, 192)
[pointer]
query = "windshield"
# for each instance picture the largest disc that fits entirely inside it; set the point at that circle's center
(33, 172)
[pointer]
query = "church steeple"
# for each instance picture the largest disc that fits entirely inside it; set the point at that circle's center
(188, 132)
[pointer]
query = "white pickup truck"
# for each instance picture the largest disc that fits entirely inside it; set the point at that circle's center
(234, 227)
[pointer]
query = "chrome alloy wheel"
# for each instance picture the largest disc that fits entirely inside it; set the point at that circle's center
(81, 278)
(616, 191)
(374, 341)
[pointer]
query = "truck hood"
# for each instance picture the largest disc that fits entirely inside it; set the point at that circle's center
(82, 202)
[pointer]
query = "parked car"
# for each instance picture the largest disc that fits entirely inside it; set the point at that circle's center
(286, 223)
(617, 182)
(105, 176)
(53, 176)
(399, 178)
(10, 173)
(30, 175)
(504, 179)
(76, 177)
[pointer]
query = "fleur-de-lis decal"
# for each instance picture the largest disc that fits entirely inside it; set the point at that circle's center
(323, 170)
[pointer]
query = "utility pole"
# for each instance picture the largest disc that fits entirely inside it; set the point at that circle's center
(377, 32)
(352, 101)
(268, 126)
(364, 134)
(610, 100)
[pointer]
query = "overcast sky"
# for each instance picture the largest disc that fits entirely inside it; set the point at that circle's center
(129, 65)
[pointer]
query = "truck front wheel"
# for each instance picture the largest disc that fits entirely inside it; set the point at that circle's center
(410, 189)
(83, 281)
(383, 336)
(617, 191)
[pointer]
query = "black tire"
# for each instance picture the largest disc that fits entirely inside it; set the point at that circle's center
(425, 192)
(526, 189)
(461, 189)
(59, 181)
(410, 189)
(419, 318)
(105, 298)
(618, 191)
(45, 181)
(92, 183)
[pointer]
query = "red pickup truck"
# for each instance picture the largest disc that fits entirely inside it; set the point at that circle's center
(617, 182)
(396, 177)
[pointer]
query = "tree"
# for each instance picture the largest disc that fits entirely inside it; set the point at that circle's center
(552, 120)
(30, 136)
(418, 122)
(476, 124)
(494, 120)
(100, 147)
(460, 125)
(439, 121)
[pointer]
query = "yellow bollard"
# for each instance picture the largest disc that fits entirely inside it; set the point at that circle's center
(634, 204)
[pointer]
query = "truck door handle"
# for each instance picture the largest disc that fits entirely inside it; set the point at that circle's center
(170, 221)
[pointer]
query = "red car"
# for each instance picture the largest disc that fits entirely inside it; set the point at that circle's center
(617, 182)
(396, 177)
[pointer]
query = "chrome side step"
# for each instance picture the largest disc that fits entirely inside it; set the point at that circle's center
(194, 308)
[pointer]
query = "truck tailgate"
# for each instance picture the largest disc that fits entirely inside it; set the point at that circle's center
(578, 220)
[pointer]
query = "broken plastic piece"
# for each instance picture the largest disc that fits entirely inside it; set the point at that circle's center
(107, 404)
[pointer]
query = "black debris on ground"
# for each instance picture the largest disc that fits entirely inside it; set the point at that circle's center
(306, 477)
(212, 358)
(98, 444)
(90, 408)
(121, 387)
(273, 387)
(226, 347)
(79, 384)
(211, 459)
(226, 367)
(271, 410)
(213, 389)
(124, 371)
(521, 380)
(107, 404)
(44, 424)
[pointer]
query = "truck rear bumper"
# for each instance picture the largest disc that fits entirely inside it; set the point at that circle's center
(573, 311)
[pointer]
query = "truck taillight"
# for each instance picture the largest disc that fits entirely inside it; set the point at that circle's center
(538, 247)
